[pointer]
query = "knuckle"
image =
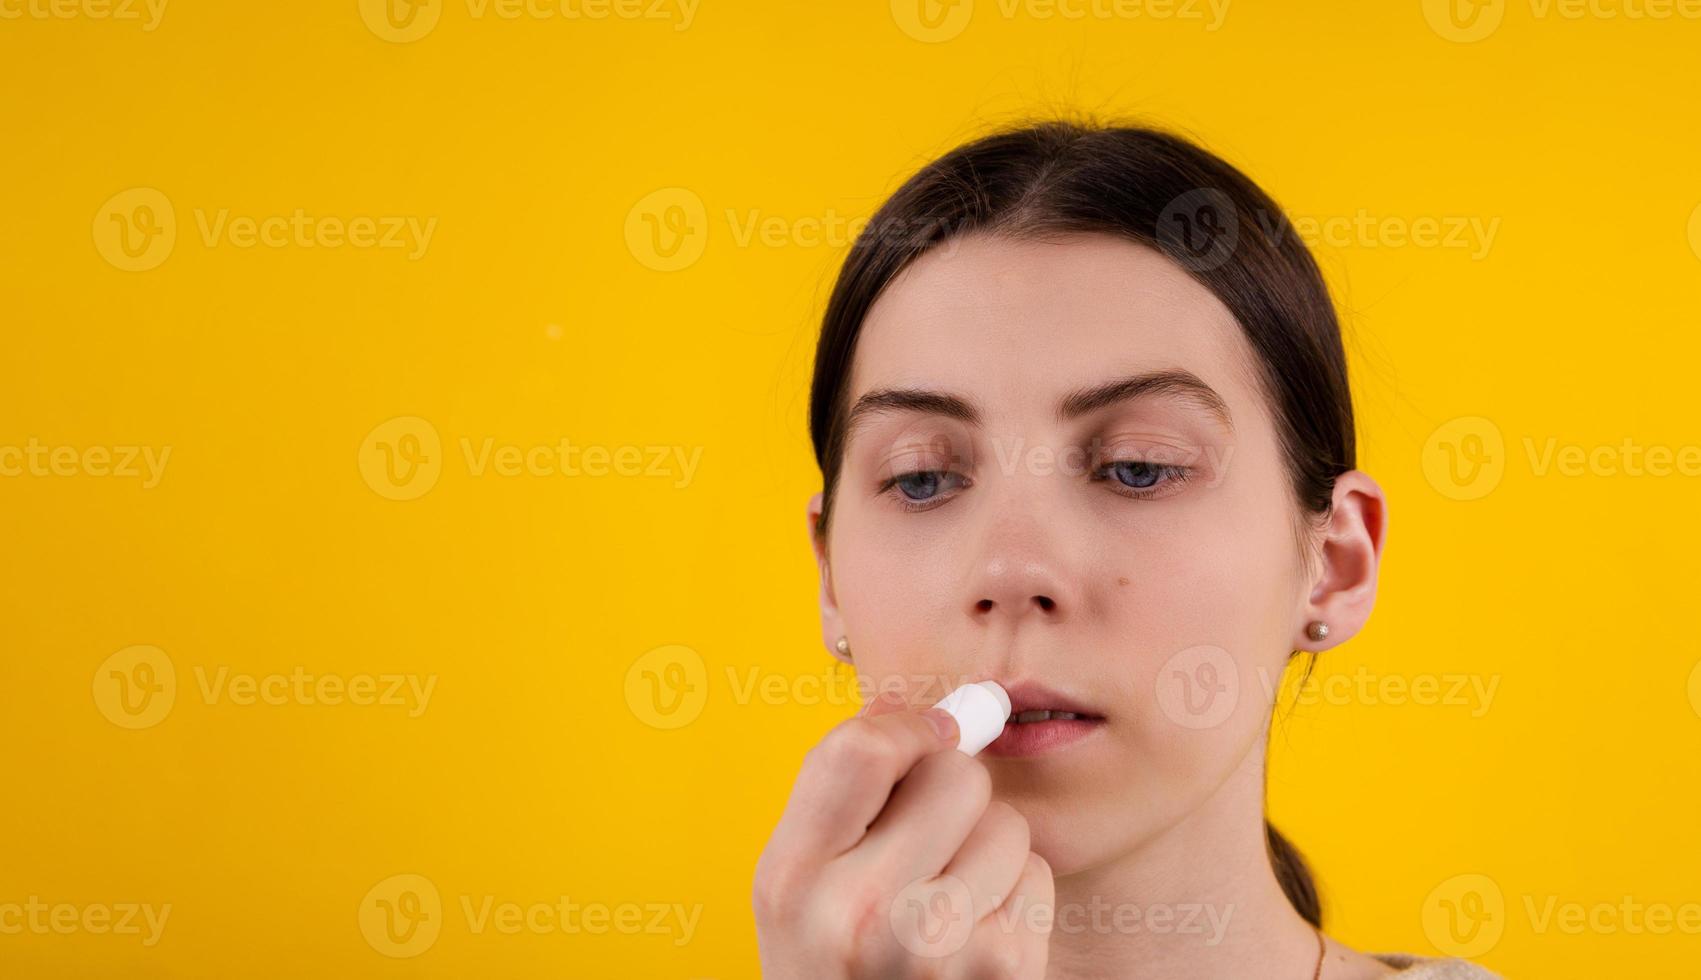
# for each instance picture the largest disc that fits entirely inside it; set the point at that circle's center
(1001, 961)
(1007, 821)
(970, 776)
(863, 921)
(856, 746)
(927, 968)
(775, 891)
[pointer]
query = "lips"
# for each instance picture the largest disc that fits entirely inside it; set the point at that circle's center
(1043, 720)
(1031, 696)
(1041, 714)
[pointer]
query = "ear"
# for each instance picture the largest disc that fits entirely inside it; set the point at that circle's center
(832, 627)
(1351, 550)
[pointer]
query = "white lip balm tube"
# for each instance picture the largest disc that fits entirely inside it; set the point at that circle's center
(981, 711)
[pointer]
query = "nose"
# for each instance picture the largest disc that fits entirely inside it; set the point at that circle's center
(1019, 575)
(1016, 590)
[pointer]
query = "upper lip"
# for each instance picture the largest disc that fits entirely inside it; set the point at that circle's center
(1030, 695)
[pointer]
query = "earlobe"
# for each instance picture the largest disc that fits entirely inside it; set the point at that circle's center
(1351, 551)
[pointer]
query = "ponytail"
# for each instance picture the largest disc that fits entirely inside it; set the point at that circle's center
(1293, 875)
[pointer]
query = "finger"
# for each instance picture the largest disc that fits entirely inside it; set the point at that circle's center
(1015, 940)
(848, 776)
(993, 858)
(883, 703)
(928, 817)
(1037, 888)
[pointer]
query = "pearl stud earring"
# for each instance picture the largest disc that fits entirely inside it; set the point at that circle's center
(1318, 630)
(843, 646)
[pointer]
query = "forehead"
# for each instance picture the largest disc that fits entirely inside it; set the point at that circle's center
(1018, 322)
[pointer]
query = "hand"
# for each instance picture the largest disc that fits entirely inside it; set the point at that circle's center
(892, 861)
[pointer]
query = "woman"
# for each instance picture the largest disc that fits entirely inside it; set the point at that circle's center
(1081, 411)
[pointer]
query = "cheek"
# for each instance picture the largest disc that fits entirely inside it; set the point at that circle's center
(1210, 580)
(894, 593)
(1219, 568)
(1196, 711)
(1210, 618)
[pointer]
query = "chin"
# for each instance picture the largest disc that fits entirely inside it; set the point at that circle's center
(1060, 834)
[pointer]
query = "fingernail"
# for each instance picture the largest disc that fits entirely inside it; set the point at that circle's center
(942, 723)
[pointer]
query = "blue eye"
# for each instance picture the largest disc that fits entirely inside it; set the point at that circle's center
(1138, 478)
(919, 486)
(923, 488)
(1136, 473)
(1143, 478)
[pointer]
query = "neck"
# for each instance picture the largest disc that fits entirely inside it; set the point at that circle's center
(1200, 901)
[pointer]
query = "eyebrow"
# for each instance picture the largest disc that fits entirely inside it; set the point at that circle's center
(1174, 382)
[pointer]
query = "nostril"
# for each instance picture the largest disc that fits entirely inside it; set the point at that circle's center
(984, 605)
(1045, 602)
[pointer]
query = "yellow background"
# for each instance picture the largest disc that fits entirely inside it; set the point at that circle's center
(539, 311)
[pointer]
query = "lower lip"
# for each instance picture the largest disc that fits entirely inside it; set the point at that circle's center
(1036, 737)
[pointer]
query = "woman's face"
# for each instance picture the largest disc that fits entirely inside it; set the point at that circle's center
(1024, 541)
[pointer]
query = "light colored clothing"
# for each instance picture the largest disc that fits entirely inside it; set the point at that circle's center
(1412, 967)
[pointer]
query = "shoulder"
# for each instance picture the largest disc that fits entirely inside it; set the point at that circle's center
(1413, 967)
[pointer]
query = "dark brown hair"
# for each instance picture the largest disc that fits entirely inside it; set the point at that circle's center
(1057, 177)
